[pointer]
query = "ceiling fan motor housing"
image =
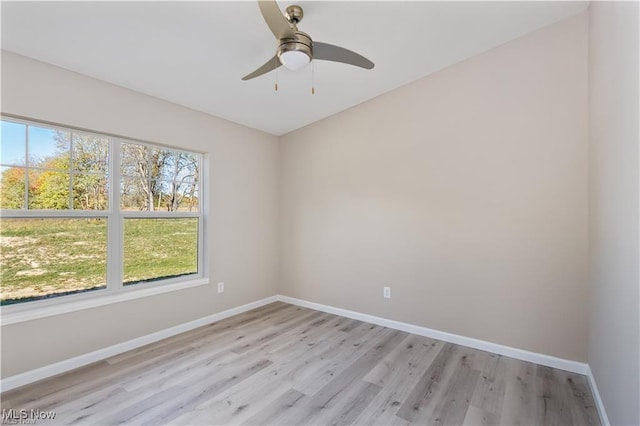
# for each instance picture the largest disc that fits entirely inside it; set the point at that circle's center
(301, 42)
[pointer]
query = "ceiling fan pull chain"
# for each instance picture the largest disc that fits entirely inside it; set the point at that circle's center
(276, 61)
(313, 78)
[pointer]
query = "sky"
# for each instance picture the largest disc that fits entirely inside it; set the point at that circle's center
(13, 138)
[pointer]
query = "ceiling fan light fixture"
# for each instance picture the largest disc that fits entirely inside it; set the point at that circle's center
(295, 52)
(294, 59)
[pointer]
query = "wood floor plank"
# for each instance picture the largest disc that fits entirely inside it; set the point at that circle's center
(240, 402)
(403, 360)
(581, 401)
(523, 390)
(268, 333)
(489, 393)
(337, 359)
(78, 411)
(478, 417)
(283, 364)
(339, 387)
(397, 374)
(289, 400)
(297, 342)
(452, 407)
(269, 337)
(344, 409)
(422, 400)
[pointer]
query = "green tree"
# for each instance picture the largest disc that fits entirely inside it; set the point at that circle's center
(50, 190)
(89, 159)
(12, 188)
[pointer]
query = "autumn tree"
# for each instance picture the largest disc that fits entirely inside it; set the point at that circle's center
(50, 188)
(85, 156)
(12, 188)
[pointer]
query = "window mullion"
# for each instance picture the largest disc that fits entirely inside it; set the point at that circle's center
(70, 199)
(202, 200)
(26, 168)
(114, 227)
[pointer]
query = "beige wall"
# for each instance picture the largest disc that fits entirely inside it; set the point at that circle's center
(465, 192)
(242, 223)
(614, 332)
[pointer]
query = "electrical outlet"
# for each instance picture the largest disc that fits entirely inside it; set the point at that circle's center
(386, 292)
(220, 287)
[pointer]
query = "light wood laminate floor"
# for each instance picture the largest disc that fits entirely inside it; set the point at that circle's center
(283, 364)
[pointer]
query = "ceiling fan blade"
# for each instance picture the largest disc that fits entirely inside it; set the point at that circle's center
(274, 18)
(329, 52)
(270, 65)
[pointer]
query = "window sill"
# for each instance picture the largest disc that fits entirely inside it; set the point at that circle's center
(11, 316)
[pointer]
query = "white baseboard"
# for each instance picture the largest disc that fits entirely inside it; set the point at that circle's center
(82, 360)
(596, 396)
(542, 359)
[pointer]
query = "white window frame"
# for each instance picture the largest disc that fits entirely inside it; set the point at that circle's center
(115, 290)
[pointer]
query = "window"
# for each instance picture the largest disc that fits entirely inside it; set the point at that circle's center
(84, 213)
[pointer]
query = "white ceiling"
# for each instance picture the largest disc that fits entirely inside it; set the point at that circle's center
(195, 53)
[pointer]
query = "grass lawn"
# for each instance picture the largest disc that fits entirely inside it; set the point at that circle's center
(45, 257)
(159, 248)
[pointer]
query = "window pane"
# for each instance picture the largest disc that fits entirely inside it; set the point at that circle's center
(175, 196)
(134, 194)
(134, 161)
(161, 161)
(43, 258)
(12, 145)
(160, 191)
(90, 153)
(156, 249)
(174, 165)
(90, 192)
(48, 148)
(192, 200)
(12, 187)
(49, 190)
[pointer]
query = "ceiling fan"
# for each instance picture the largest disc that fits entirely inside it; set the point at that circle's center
(295, 48)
